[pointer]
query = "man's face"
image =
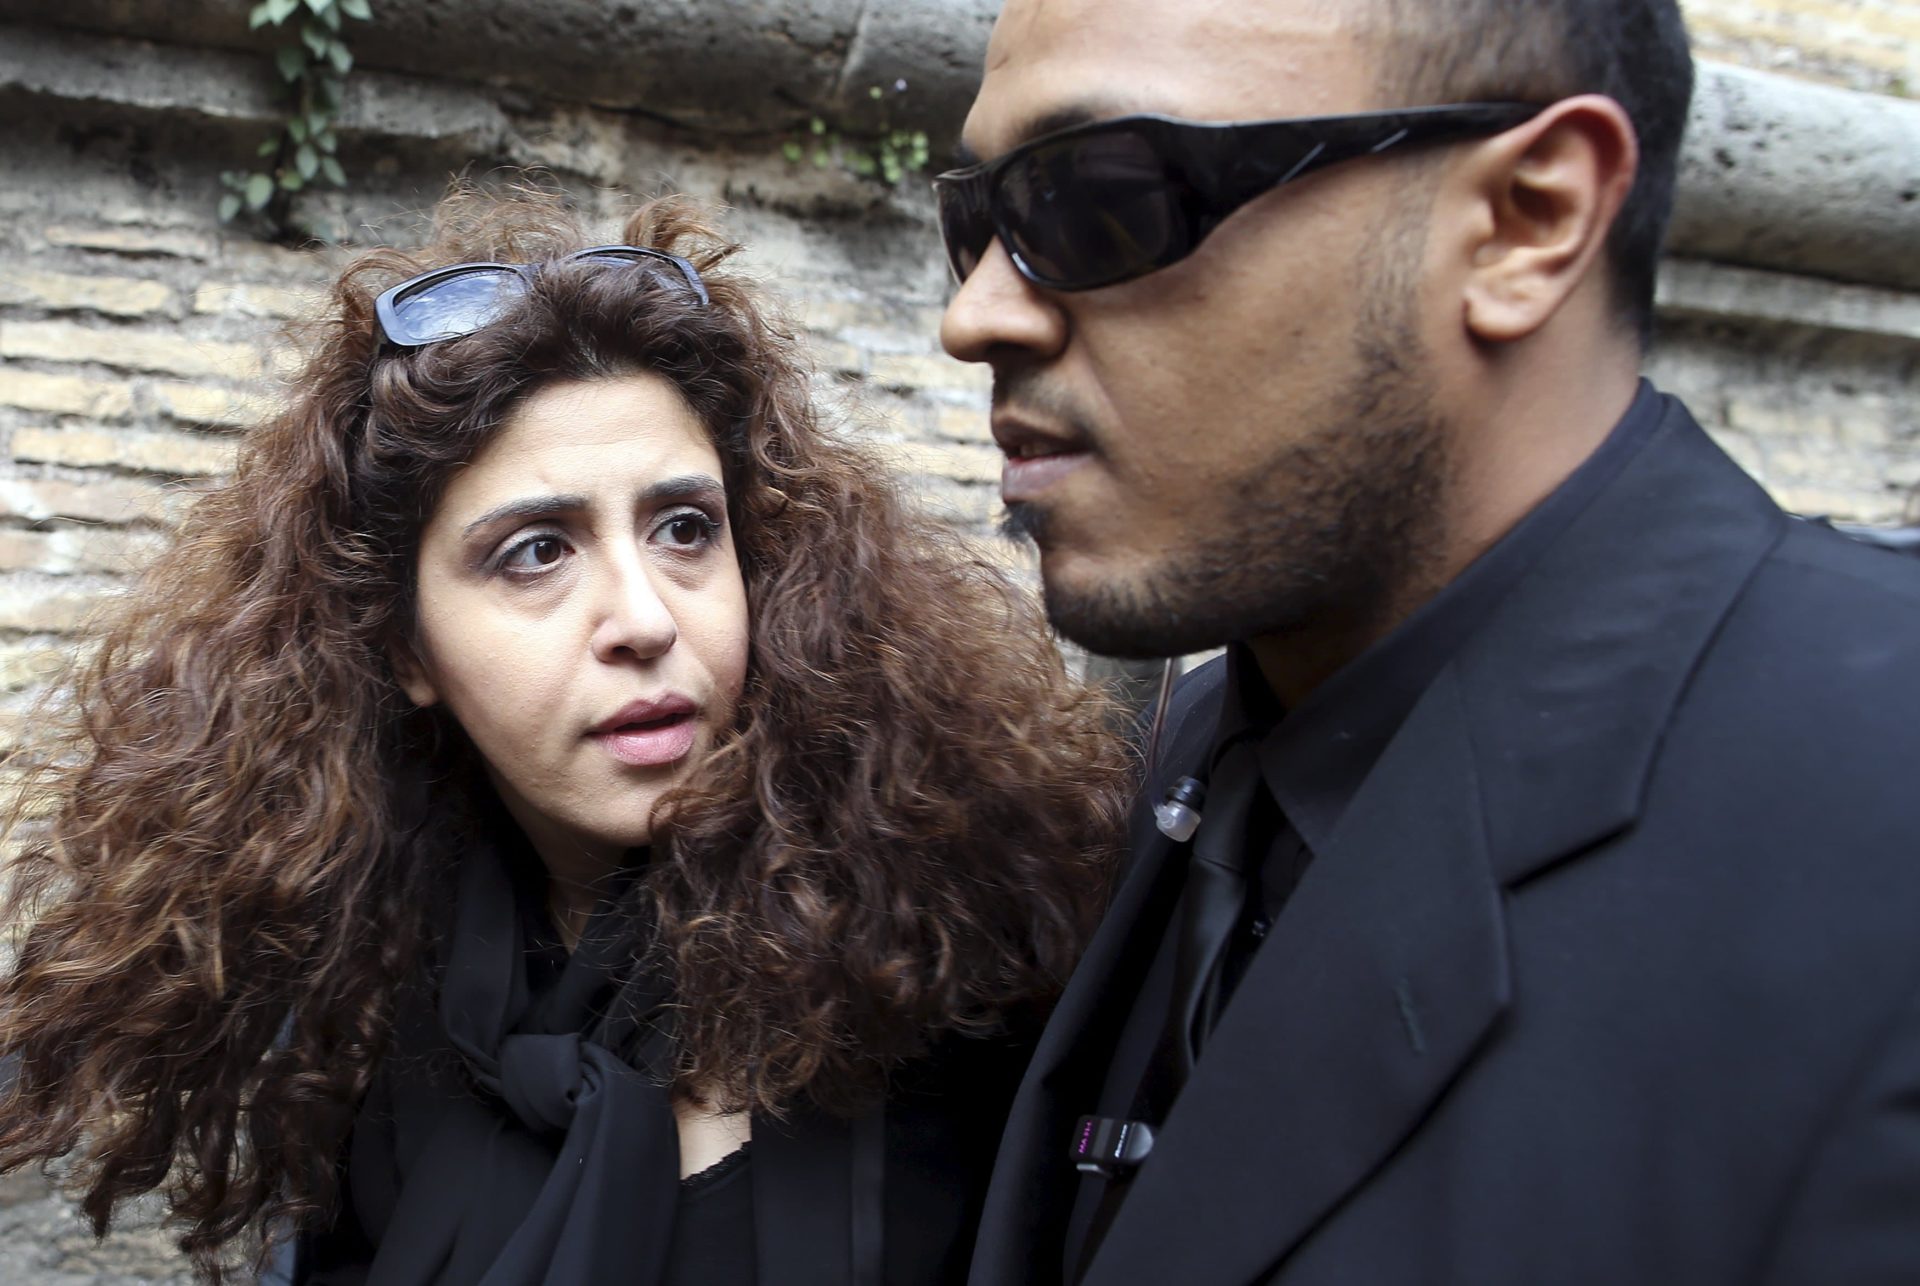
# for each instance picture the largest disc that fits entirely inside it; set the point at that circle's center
(1239, 444)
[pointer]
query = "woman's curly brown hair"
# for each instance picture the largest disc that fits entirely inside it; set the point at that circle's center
(244, 829)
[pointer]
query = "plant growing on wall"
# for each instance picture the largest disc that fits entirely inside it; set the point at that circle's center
(886, 155)
(313, 67)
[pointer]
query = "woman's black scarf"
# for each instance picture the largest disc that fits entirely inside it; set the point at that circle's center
(563, 1168)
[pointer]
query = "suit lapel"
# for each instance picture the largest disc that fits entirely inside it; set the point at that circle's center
(1383, 975)
(1572, 686)
(1033, 1184)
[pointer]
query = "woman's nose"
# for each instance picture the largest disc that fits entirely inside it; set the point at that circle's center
(635, 621)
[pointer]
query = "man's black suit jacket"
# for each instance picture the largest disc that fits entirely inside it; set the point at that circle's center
(1609, 973)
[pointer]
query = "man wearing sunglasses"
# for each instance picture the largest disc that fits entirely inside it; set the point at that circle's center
(1553, 914)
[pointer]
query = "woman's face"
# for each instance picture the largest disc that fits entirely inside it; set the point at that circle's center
(581, 611)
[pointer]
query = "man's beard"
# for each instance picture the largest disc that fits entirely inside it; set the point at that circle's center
(1327, 536)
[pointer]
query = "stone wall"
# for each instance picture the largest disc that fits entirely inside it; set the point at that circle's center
(1872, 45)
(138, 337)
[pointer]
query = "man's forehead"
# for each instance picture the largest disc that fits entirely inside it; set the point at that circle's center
(1051, 61)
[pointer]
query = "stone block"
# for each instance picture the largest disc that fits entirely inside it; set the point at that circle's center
(1792, 465)
(825, 316)
(1862, 44)
(1787, 175)
(64, 394)
(963, 423)
(180, 454)
(1719, 293)
(962, 463)
(251, 299)
(78, 550)
(28, 665)
(943, 374)
(211, 405)
(70, 292)
(136, 350)
(829, 355)
(1778, 420)
(173, 243)
(971, 508)
(113, 500)
(45, 605)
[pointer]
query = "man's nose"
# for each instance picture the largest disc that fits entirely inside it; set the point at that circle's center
(998, 312)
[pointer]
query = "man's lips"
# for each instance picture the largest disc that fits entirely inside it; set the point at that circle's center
(1025, 477)
(649, 733)
(1035, 460)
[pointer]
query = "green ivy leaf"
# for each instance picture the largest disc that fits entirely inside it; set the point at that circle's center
(313, 66)
(792, 150)
(819, 126)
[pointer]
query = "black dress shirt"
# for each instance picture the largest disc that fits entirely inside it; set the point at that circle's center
(1314, 761)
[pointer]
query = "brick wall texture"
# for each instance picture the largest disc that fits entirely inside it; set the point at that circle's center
(1872, 45)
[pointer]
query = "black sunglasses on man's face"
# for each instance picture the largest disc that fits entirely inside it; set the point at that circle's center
(1099, 204)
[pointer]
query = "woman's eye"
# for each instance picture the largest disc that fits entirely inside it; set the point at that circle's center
(534, 553)
(688, 530)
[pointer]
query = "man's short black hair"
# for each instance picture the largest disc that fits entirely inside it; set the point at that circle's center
(1633, 51)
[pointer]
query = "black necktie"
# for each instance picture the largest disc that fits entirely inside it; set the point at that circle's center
(1211, 905)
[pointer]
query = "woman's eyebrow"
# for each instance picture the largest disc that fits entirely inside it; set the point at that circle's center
(685, 485)
(527, 507)
(681, 486)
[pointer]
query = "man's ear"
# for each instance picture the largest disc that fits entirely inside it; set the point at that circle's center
(1544, 197)
(411, 673)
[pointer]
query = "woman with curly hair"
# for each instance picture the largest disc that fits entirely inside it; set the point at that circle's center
(556, 815)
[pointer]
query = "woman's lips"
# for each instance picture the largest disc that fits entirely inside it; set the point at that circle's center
(651, 744)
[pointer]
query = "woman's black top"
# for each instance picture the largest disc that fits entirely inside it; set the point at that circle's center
(504, 1140)
(713, 1228)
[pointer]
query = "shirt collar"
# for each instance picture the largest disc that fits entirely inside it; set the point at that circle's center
(1315, 758)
